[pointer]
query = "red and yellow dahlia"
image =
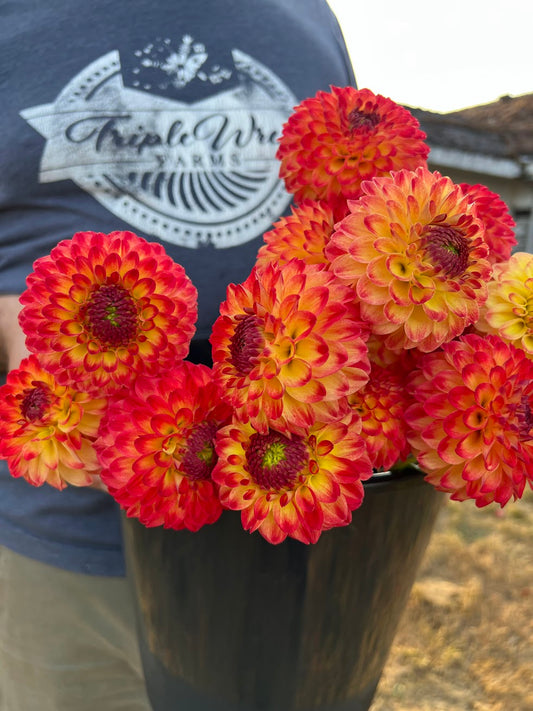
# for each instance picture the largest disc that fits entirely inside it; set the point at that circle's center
(508, 310)
(156, 447)
(288, 347)
(47, 430)
(497, 220)
(102, 307)
(296, 486)
(413, 249)
(335, 140)
(303, 235)
(472, 424)
(381, 406)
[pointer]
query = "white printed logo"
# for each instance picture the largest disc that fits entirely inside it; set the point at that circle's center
(190, 174)
(179, 67)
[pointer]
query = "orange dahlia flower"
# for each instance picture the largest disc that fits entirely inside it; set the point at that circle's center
(496, 218)
(102, 307)
(414, 251)
(508, 310)
(295, 486)
(288, 347)
(335, 140)
(381, 405)
(472, 426)
(156, 447)
(303, 235)
(47, 430)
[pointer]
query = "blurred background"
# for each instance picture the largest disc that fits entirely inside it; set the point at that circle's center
(440, 56)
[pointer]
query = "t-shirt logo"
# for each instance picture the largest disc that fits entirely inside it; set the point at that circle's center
(190, 174)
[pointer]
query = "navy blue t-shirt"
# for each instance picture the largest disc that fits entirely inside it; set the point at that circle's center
(157, 117)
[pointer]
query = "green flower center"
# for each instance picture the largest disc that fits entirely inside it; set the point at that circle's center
(447, 248)
(111, 316)
(245, 344)
(274, 461)
(200, 457)
(358, 120)
(35, 402)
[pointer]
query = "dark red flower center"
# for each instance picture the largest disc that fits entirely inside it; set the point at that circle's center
(35, 402)
(447, 248)
(246, 344)
(525, 418)
(200, 456)
(363, 120)
(111, 316)
(274, 461)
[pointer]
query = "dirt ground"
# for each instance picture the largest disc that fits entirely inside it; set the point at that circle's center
(466, 638)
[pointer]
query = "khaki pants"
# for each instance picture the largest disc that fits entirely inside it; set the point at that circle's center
(67, 641)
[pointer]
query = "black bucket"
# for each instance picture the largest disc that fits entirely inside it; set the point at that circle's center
(229, 622)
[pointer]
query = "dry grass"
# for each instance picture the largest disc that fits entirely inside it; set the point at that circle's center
(465, 642)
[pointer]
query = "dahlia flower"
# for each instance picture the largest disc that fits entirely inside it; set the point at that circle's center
(156, 447)
(288, 347)
(295, 486)
(102, 307)
(335, 140)
(414, 251)
(381, 406)
(508, 310)
(472, 426)
(496, 218)
(47, 430)
(303, 235)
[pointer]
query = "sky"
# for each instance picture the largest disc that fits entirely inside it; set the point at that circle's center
(440, 56)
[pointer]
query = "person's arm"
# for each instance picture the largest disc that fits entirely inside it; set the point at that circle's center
(12, 339)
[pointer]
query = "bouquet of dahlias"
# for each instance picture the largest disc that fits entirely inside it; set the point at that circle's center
(385, 323)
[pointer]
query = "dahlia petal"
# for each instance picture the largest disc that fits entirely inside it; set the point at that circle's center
(492, 481)
(400, 293)
(302, 325)
(313, 350)
(311, 525)
(296, 373)
(369, 292)
(71, 328)
(270, 530)
(304, 499)
(260, 510)
(311, 392)
(474, 469)
(274, 389)
(313, 300)
(421, 294)
(324, 487)
(471, 445)
(344, 266)
(287, 518)
(418, 329)
(476, 418)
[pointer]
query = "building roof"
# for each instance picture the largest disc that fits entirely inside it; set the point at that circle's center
(494, 138)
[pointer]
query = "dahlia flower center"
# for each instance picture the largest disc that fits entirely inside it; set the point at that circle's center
(200, 457)
(111, 316)
(245, 344)
(525, 418)
(362, 120)
(34, 403)
(274, 461)
(447, 248)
